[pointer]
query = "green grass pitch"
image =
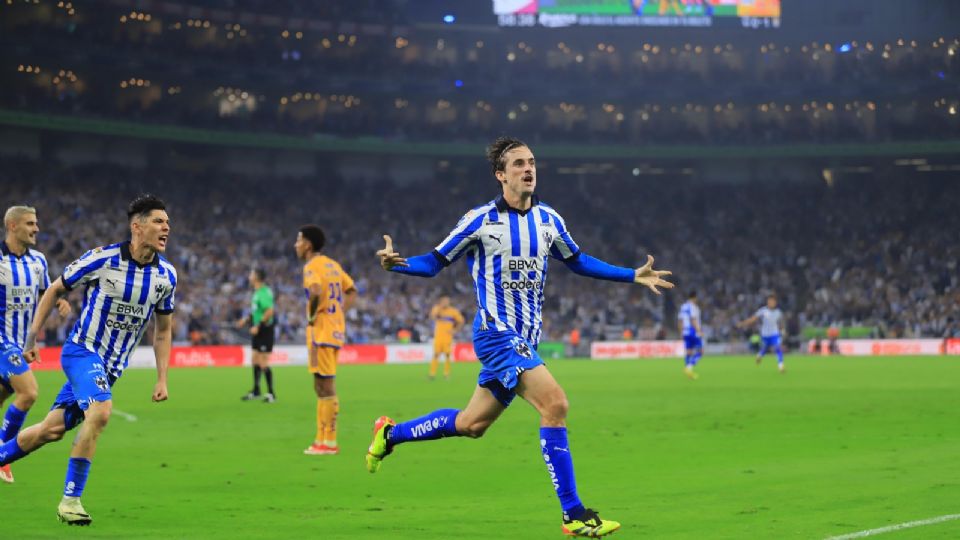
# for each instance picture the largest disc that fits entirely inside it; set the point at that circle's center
(834, 446)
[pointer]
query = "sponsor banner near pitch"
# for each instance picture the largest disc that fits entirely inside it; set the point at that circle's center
(463, 352)
(890, 347)
(49, 359)
(363, 354)
(420, 353)
(612, 350)
(952, 347)
(282, 355)
(409, 353)
(209, 356)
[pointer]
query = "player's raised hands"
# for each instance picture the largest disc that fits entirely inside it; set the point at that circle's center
(388, 257)
(646, 275)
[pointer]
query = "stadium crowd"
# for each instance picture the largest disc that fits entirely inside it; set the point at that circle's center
(877, 252)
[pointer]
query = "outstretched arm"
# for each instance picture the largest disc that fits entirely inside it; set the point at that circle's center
(586, 265)
(427, 265)
(747, 322)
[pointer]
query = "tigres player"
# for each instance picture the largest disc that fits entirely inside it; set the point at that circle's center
(447, 320)
(329, 292)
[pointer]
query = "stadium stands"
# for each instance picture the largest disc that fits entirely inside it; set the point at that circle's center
(363, 71)
(877, 252)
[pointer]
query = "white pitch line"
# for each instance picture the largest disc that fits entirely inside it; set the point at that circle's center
(125, 415)
(897, 527)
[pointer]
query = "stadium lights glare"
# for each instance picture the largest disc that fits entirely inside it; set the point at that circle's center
(449, 18)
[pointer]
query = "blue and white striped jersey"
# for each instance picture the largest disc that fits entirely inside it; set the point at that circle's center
(120, 297)
(22, 281)
(769, 321)
(689, 314)
(506, 252)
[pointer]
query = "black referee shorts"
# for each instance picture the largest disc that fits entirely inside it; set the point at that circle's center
(263, 341)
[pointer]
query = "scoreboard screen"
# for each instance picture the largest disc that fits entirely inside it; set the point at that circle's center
(699, 13)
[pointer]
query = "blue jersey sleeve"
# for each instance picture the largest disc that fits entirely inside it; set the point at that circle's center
(427, 265)
(585, 265)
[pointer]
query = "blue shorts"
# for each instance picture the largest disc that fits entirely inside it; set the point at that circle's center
(771, 341)
(504, 356)
(87, 381)
(692, 342)
(12, 363)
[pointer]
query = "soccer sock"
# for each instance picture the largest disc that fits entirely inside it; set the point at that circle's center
(10, 451)
(433, 366)
(779, 355)
(77, 472)
(256, 379)
(12, 423)
(438, 424)
(686, 360)
(446, 365)
(556, 454)
(268, 374)
(321, 420)
(331, 409)
(695, 359)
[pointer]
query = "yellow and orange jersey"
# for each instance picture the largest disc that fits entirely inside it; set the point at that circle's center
(329, 326)
(445, 321)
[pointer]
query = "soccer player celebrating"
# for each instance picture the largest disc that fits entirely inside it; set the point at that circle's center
(124, 285)
(330, 292)
(771, 328)
(688, 322)
(262, 334)
(447, 320)
(507, 243)
(23, 278)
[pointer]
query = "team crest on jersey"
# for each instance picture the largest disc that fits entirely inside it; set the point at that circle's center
(547, 237)
(15, 359)
(521, 347)
(101, 383)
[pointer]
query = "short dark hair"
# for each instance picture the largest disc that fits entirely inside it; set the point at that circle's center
(143, 205)
(498, 148)
(260, 273)
(772, 295)
(693, 294)
(314, 235)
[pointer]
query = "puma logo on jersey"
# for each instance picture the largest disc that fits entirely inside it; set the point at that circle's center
(496, 237)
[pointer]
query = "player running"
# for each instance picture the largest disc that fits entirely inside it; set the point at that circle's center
(447, 320)
(688, 322)
(771, 329)
(23, 278)
(330, 292)
(507, 243)
(124, 285)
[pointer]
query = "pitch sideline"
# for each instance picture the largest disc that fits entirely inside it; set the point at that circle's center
(897, 527)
